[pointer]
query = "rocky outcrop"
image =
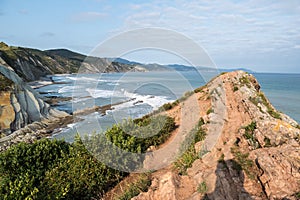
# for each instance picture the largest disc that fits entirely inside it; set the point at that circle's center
(254, 154)
(22, 110)
(27, 105)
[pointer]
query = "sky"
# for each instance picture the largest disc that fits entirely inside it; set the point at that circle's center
(261, 35)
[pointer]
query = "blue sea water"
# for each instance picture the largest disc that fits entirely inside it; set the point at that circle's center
(283, 90)
(145, 92)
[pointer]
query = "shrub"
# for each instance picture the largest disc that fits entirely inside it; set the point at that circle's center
(190, 155)
(249, 135)
(51, 169)
(202, 188)
(235, 88)
(209, 111)
(245, 81)
(135, 188)
(242, 162)
(79, 176)
(23, 167)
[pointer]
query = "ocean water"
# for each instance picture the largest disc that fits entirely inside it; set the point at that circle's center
(283, 90)
(142, 93)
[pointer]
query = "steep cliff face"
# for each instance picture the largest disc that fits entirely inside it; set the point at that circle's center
(32, 64)
(251, 151)
(20, 104)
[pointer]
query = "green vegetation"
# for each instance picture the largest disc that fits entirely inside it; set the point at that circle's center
(267, 142)
(249, 135)
(235, 88)
(261, 98)
(297, 195)
(190, 155)
(221, 159)
(200, 89)
(242, 162)
(51, 169)
(245, 81)
(211, 110)
(5, 83)
(7, 51)
(202, 188)
(135, 188)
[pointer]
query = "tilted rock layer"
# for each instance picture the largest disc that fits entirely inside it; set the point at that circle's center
(22, 111)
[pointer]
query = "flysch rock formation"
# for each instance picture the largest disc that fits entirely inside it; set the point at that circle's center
(24, 115)
(252, 150)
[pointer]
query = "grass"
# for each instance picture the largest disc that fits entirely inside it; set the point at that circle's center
(261, 98)
(245, 81)
(270, 110)
(235, 88)
(209, 111)
(243, 163)
(297, 195)
(267, 142)
(202, 188)
(221, 159)
(5, 83)
(135, 188)
(190, 155)
(249, 135)
(200, 89)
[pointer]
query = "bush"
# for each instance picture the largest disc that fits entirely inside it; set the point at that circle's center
(5, 83)
(23, 167)
(249, 135)
(235, 88)
(190, 155)
(134, 189)
(243, 162)
(209, 111)
(51, 169)
(132, 136)
(79, 176)
(202, 188)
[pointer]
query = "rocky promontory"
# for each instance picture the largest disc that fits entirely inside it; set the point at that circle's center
(250, 150)
(23, 114)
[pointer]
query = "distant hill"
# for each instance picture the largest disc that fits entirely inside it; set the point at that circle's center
(32, 64)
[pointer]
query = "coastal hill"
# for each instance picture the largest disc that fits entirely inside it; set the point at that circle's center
(240, 147)
(33, 64)
(250, 150)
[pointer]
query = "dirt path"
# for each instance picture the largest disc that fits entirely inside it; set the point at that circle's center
(166, 154)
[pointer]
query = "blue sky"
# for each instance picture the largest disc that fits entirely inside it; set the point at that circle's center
(262, 35)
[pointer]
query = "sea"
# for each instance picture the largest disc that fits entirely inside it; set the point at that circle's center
(134, 94)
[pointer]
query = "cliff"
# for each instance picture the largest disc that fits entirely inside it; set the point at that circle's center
(250, 150)
(32, 64)
(22, 111)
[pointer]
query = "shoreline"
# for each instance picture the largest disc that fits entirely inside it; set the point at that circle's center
(52, 126)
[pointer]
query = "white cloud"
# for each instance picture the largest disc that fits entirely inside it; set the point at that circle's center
(237, 31)
(297, 46)
(88, 16)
